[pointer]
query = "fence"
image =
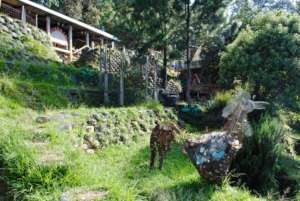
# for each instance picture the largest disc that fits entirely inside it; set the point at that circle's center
(126, 79)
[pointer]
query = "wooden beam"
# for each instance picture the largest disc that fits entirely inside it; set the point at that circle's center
(62, 50)
(23, 15)
(48, 25)
(93, 45)
(87, 38)
(71, 42)
(37, 20)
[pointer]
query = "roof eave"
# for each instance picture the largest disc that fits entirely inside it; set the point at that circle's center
(71, 20)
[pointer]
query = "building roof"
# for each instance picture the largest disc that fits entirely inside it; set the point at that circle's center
(69, 19)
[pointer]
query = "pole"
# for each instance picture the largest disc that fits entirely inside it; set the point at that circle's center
(122, 79)
(87, 39)
(147, 76)
(155, 82)
(188, 88)
(37, 20)
(71, 42)
(23, 15)
(48, 25)
(106, 99)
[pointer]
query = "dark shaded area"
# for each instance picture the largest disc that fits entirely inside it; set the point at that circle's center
(210, 120)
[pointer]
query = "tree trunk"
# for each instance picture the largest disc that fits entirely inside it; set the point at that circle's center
(165, 74)
(188, 84)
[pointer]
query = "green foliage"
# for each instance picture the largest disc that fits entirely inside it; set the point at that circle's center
(50, 3)
(55, 73)
(153, 105)
(73, 8)
(51, 85)
(34, 95)
(259, 160)
(218, 101)
(265, 55)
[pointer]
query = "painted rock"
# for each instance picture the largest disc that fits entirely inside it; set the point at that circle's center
(212, 154)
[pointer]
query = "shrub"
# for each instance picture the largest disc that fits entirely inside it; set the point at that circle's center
(218, 101)
(265, 55)
(258, 161)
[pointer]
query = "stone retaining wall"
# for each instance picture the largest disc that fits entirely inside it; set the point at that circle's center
(27, 40)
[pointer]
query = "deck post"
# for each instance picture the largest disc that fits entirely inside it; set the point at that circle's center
(87, 38)
(93, 45)
(37, 20)
(102, 42)
(23, 15)
(71, 42)
(112, 44)
(48, 25)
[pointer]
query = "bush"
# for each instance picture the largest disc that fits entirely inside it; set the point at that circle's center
(266, 55)
(259, 159)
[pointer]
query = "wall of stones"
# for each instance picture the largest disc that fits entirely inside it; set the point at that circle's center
(24, 42)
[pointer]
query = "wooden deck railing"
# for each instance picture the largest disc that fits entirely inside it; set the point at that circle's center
(15, 13)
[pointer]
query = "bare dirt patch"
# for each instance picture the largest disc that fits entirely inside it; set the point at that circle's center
(83, 195)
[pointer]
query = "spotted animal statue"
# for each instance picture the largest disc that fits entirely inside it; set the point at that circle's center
(213, 153)
(160, 141)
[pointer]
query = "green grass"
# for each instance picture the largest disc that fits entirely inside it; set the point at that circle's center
(122, 170)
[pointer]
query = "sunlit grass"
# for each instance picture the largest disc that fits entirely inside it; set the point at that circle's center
(121, 170)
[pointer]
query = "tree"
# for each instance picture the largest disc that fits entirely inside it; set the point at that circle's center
(50, 3)
(73, 8)
(265, 56)
(91, 13)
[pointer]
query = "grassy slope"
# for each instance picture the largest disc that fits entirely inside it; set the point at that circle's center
(122, 170)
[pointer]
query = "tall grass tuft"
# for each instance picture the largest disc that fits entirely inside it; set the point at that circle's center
(259, 159)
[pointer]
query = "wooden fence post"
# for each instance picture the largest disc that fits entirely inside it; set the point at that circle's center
(122, 77)
(106, 98)
(155, 82)
(147, 76)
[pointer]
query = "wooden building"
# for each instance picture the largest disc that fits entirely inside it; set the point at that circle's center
(68, 35)
(202, 78)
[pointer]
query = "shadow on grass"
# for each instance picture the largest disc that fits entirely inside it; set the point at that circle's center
(184, 191)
